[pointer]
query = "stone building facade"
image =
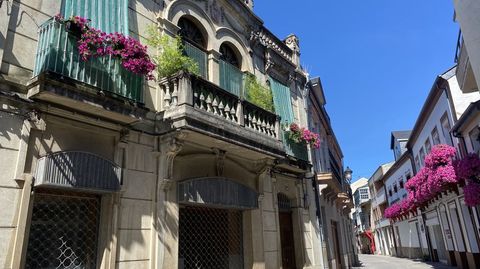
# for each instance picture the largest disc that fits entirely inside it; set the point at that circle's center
(103, 169)
(334, 196)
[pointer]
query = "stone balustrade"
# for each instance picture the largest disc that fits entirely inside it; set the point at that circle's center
(194, 91)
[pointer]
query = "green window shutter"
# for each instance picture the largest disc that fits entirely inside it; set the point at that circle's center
(231, 78)
(107, 15)
(282, 100)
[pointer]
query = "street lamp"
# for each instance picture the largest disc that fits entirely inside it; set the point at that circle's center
(348, 174)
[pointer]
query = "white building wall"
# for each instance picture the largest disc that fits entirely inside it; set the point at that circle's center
(395, 178)
(441, 108)
(460, 99)
(467, 15)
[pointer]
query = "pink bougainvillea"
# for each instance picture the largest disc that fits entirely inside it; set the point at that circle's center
(440, 155)
(96, 43)
(468, 169)
(472, 194)
(437, 176)
(302, 135)
(468, 174)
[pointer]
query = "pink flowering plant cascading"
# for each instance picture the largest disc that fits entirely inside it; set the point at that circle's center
(302, 135)
(439, 163)
(438, 175)
(96, 43)
(468, 174)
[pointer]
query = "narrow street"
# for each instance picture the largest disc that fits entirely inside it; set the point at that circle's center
(387, 262)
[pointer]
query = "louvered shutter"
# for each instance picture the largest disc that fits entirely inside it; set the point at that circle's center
(282, 101)
(107, 15)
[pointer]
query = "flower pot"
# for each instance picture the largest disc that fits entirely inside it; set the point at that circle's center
(73, 29)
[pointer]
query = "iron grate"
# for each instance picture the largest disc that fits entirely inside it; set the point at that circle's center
(63, 232)
(210, 238)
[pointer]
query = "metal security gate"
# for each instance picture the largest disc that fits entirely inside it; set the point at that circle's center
(210, 238)
(63, 231)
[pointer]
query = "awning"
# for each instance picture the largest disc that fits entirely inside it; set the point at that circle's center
(78, 170)
(217, 191)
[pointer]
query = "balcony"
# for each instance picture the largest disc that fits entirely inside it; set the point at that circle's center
(464, 72)
(193, 103)
(296, 150)
(382, 223)
(100, 86)
(57, 53)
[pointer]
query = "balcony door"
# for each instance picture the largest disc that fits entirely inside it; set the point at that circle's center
(195, 43)
(231, 77)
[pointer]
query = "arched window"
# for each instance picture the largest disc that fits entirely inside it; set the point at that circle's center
(190, 32)
(229, 55)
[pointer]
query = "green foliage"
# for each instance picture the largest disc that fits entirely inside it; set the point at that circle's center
(258, 94)
(170, 58)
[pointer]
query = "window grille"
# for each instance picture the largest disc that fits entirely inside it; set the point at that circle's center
(284, 203)
(210, 238)
(63, 231)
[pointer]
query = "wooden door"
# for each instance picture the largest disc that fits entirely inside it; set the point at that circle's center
(286, 240)
(336, 245)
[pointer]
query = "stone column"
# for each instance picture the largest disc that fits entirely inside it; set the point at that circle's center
(19, 241)
(165, 213)
(213, 66)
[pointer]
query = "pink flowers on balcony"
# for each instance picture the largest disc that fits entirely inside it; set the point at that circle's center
(437, 176)
(468, 173)
(96, 43)
(302, 135)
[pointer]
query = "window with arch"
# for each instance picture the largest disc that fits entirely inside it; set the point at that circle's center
(231, 77)
(194, 43)
(190, 32)
(228, 55)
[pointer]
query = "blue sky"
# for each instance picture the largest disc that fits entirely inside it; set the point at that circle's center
(377, 60)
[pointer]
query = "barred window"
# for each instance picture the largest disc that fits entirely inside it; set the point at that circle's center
(63, 231)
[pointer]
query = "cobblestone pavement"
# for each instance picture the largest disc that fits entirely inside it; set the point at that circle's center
(387, 262)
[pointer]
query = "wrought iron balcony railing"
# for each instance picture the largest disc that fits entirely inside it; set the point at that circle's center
(57, 52)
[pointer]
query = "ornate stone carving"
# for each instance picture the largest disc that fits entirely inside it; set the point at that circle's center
(267, 40)
(171, 146)
(35, 118)
(220, 162)
(217, 13)
(293, 43)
